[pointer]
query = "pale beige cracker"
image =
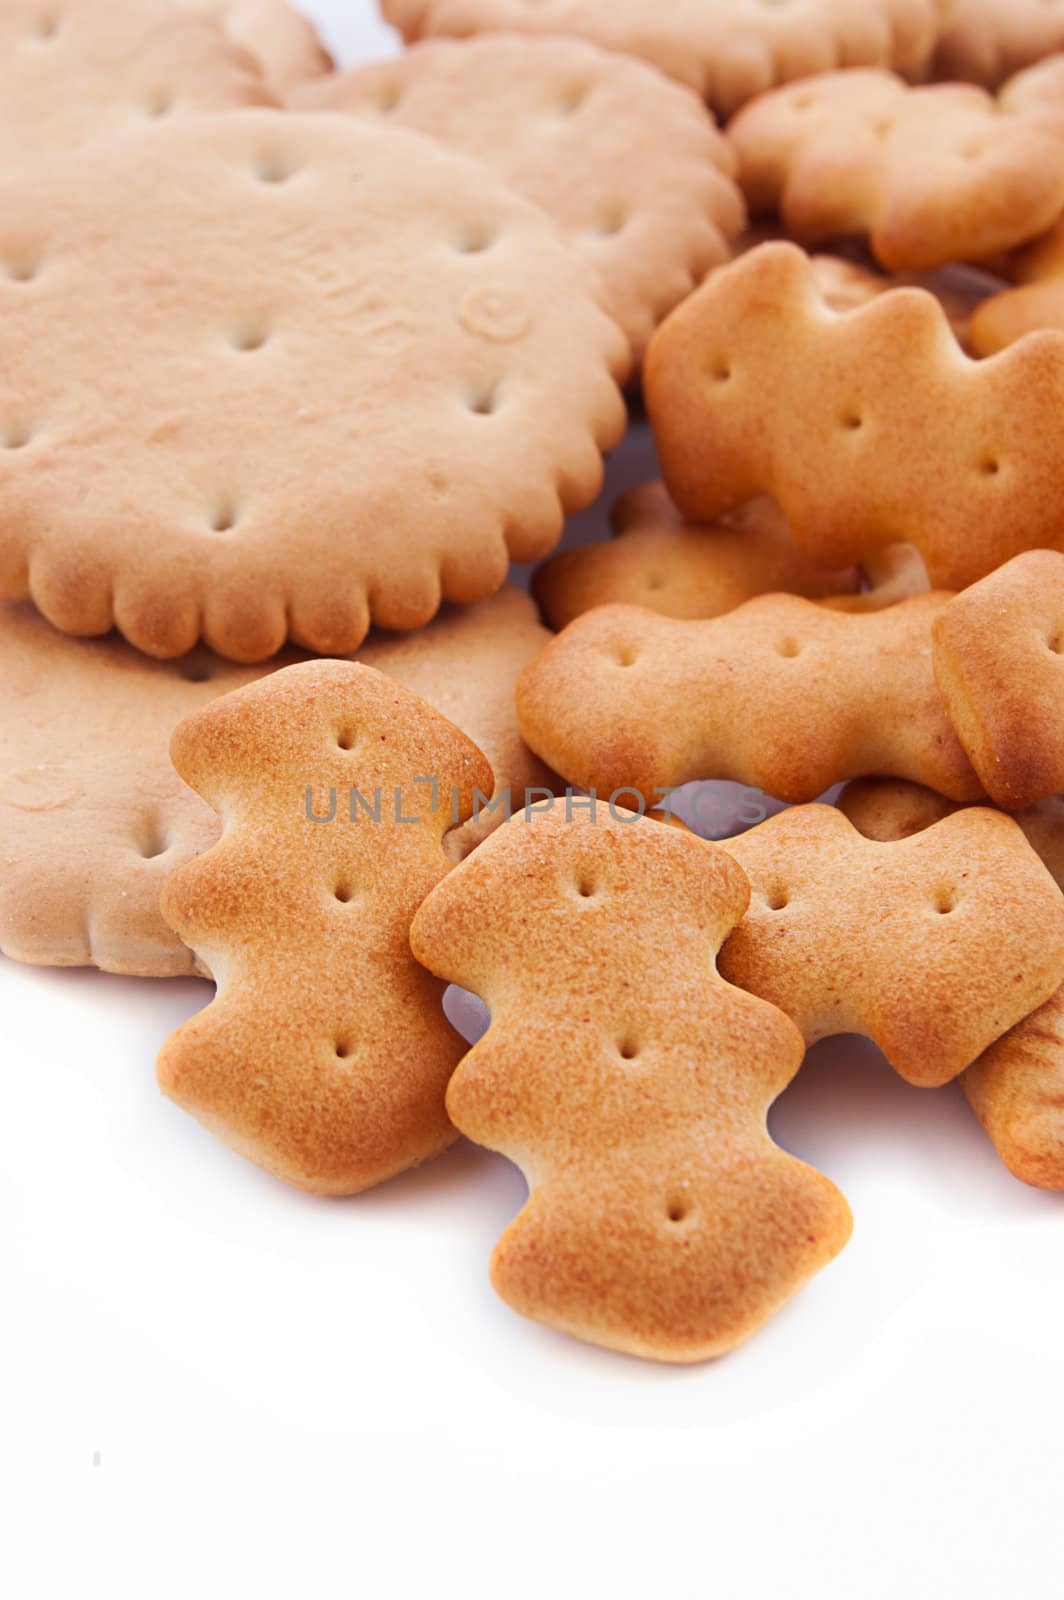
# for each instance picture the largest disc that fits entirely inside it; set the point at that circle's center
(933, 945)
(868, 428)
(630, 165)
(782, 695)
(325, 1054)
(93, 817)
(729, 50)
(630, 1086)
(280, 37)
(313, 374)
(72, 71)
(930, 175)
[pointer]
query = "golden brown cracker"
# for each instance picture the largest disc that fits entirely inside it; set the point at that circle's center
(930, 175)
(868, 428)
(999, 663)
(325, 1053)
(662, 1220)
(781, 694)
(933, 945)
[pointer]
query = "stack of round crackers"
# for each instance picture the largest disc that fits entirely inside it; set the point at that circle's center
(296, 362)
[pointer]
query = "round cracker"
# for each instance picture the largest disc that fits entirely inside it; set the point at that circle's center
(302, 372)
(729, 50)
(75, 70)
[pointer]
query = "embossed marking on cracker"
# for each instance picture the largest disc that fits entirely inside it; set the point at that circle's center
(629, 164)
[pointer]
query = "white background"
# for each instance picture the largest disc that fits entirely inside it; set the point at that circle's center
(214, 1386)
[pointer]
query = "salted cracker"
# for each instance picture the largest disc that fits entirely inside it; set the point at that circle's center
(682, 569)
(1035, 300)
(281, 38)
(1036, 271)
(1016, 1088)
(890, 808)
(999, 663)
(984, 41)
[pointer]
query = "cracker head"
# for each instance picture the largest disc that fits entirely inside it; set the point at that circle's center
(933, 945)
(321, 724)
(583, 875)
(325, 1054)
(630, 1084)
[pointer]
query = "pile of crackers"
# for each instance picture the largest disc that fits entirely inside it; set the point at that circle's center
(295, 362)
